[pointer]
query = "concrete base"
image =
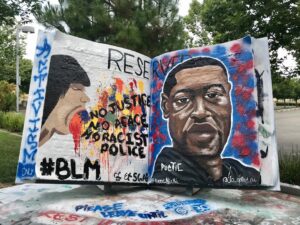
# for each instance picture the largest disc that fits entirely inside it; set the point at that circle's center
(39, 204)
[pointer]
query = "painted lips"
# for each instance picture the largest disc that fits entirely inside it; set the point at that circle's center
(203, 132)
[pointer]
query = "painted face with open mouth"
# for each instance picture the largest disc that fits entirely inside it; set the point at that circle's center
(72, 103)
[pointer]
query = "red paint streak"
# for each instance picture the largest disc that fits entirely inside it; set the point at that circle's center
(131, 85)
(236, 48)
(245, 152)
(246, 66)
(158, 86)
(241, 110)
(137, 110)
(233, 61)
(238, 140)
(119, 85)
(238, 90)
(247, 94)
(193, 51)
(206, 50)
(103, 99)
(134, 81)
(256, 160)
(235, 77)
(75, 129)
(250, 124)
(158, 135)
(165, 60)
(62, 217)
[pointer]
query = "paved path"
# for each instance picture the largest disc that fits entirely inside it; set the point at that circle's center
(288, 130)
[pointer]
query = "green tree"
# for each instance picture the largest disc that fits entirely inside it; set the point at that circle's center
(8, 58)
(147, 26)
(197, 35)
(9, 9)
(296, 90)
(277, 19)
(7, 96)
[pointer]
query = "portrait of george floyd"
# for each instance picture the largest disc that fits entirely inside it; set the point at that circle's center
(65, 96)
(196, 103)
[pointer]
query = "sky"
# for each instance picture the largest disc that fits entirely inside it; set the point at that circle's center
(183, 11)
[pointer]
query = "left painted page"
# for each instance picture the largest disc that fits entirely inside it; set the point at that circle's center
(87, 117)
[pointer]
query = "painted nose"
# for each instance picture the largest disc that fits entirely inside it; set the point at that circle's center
(200, 111)
(84, 98)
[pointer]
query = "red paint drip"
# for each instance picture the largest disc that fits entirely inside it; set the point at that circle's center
(103, 99)
(119, 85)
(75, 129)
(135, 83)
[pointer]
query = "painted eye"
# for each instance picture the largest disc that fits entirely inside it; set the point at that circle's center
(212, 95)
(182, 101)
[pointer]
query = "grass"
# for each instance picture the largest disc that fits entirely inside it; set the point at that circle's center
(9, 150)
(289, 167)
(12, 121)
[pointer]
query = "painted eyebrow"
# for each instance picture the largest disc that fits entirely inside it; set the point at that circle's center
(185, 90)
(206, 88)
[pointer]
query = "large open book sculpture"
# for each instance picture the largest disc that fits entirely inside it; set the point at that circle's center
(200, 117)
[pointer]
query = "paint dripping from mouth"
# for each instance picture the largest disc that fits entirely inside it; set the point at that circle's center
(75, 128)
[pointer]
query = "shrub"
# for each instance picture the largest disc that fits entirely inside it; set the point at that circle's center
(12, 121)
(289, 167)
(7, 96)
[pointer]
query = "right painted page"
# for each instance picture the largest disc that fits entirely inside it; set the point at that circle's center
(212, 117)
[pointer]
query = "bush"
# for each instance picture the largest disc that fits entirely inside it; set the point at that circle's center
(289, 167)
(12, 121)
(7, 96)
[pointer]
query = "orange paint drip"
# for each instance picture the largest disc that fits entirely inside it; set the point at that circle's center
(75, 129)
(119, 85)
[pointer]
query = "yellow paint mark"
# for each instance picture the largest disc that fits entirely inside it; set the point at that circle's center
(126, 112)
(119, 97)
(141, 86)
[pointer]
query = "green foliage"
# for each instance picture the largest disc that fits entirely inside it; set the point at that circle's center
(11, 121)
(7, 96)
(277, 19)
(287, 88)
(197, 36)
(9, 149)
(147, 26)
(22, 8)
(289, 167)
(8, 58)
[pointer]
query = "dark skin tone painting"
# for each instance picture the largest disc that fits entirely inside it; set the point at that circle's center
(199, 113)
